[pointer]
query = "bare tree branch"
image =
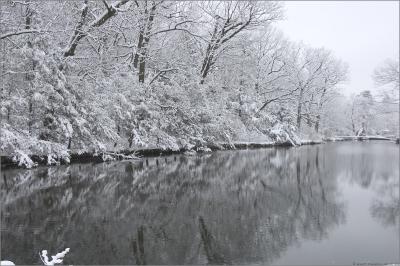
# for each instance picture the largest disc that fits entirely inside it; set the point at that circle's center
(80, 33)
(9, 34)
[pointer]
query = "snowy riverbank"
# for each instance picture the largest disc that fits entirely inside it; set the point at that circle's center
(8, 162)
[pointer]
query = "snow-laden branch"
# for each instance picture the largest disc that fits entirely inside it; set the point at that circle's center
(9, 34)
(107, 14)
(80, 33)
(177, 28)
(13, 3)
(277, 98)
(162, 72)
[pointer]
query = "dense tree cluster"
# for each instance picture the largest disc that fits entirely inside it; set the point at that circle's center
(95, 75)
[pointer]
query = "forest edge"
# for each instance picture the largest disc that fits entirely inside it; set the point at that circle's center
(7, 161)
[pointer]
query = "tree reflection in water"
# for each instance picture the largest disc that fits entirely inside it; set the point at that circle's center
(220, 208)
(375, 167)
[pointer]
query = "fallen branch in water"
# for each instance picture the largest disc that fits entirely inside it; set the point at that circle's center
(57, 259)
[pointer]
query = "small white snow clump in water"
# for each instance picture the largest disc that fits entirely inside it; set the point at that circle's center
(57, 259)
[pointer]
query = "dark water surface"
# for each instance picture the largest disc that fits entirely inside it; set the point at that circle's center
(336, 203)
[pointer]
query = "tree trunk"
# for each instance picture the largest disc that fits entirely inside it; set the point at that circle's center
(209, 57)
(138, 49)
(140, 56)
(353, 126)
(142, 69)
(204, 73)
(78, 33)
(118, 132)
(364, 124)
(318, 118)
(205, 68)
(142, 48)
(316, 127)
(130, 140)
(299, 106)
(309, 121)
(69, 143)
(29, 77)
(30, 121)
(9, 107)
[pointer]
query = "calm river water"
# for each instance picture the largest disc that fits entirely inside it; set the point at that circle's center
(336, 203)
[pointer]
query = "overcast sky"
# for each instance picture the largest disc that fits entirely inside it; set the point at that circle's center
(361, 33)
